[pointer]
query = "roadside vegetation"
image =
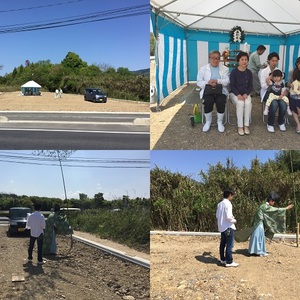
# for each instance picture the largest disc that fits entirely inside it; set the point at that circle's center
(124, 221)
(181, 203)
(73, 75)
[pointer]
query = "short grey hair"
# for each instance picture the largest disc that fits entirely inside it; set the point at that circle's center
(214, 52)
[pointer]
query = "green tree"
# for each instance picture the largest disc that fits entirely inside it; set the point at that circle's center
(14, 73)
(83, 196)
(73, 61)
(123, 71)
(289, 159)
(98, 200)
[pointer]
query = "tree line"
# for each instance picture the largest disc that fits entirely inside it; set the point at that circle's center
(122, 220)
(180, 203)
(73, 75)
(84, 202)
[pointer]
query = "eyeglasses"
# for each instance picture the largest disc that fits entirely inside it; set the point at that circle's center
(215, 58)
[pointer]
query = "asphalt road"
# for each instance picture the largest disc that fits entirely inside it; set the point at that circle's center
(80, 131)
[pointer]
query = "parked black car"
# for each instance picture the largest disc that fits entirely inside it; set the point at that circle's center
(17, 220)
(95, 95)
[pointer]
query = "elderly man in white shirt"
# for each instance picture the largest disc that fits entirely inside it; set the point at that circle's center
(213, 74)
(226, 225)
(36, 223)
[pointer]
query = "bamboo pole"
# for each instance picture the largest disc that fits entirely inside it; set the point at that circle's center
(297, 234)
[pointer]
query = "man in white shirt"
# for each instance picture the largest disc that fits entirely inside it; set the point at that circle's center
(36, 223)
(226, 225)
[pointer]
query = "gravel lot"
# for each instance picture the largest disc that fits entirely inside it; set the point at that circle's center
(187, 268)
(171, 129)
(69, 102)
(84, 273)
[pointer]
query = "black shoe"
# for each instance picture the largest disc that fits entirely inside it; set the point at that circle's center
(192, 121)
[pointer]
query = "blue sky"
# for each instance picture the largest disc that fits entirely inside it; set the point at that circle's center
(41, 180)
(191, 162)
(119, 42)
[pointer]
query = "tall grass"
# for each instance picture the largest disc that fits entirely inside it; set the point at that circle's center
(9, 88)
(129, 227)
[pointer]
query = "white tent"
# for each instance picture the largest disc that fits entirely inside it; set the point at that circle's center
(268, 17)
(30, 84)
(30, 88)
(186, 30)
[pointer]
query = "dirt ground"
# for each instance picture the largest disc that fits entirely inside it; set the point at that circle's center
(171, 128)
(84, 273)
(187, 267)
(69, 102)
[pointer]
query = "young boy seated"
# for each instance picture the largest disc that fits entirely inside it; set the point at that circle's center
(277, 91)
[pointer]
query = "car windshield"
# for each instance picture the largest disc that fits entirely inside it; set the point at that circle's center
(94, 92)
(19, 213)
(97, 92)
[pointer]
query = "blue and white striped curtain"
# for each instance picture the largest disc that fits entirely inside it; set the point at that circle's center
(180, 53)
(171, 65)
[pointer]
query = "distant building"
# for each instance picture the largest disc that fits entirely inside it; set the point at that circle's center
(31, 88)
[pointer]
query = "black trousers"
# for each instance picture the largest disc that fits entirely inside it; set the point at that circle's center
(209, 101)
(39, 247)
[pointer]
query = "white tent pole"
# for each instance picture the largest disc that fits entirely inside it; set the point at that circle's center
(186, 56)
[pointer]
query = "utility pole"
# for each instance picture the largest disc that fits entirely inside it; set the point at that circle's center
(60, 155)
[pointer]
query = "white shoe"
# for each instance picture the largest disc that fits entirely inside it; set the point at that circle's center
(288, 110)
(223, 262)
(208, 118)
(41, 262)
(282, 127)
(270, 128)
(206, 127)
(233, 264)
(263, 255)
(221, 127)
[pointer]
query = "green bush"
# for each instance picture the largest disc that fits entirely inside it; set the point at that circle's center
(129, 226)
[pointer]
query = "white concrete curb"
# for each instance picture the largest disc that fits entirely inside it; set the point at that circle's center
(192, 233)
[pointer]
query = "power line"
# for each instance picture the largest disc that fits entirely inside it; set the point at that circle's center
(108, 163)
(38, 7)
(76, 20)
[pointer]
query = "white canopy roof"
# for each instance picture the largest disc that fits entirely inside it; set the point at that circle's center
(268, 17)
(31, 84)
